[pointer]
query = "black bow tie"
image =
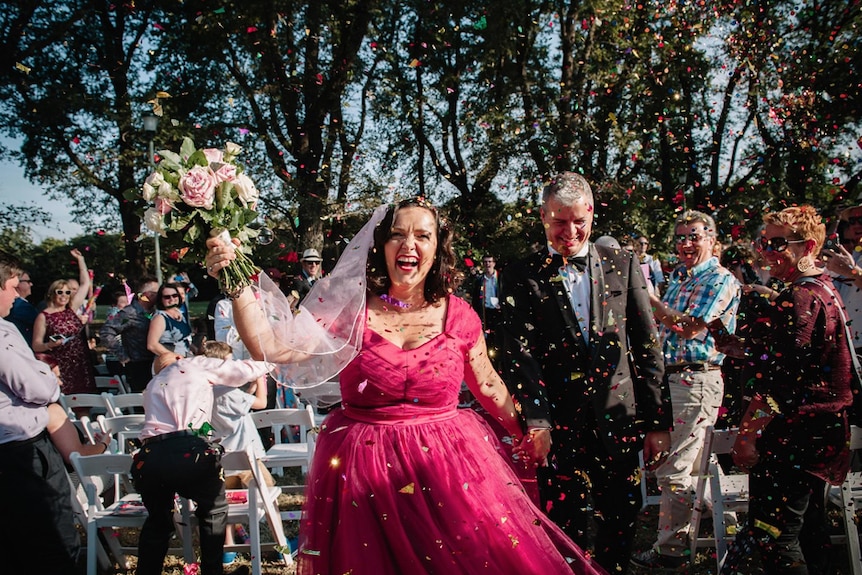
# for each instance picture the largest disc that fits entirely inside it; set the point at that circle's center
(579, 262)
(558, 261)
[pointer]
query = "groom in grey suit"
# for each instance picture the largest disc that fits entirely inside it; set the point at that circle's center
(583, 360)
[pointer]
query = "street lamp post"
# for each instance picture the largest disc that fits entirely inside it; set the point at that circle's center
(151, 123)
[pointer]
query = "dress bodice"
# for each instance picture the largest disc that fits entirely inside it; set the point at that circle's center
(385, 381)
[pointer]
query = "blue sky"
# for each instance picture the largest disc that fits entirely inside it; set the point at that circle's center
(16, 190)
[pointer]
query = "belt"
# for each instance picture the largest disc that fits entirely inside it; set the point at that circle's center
(10, 445)
(164, 436)
(681, 367)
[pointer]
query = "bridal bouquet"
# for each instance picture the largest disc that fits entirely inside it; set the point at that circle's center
(197, 194)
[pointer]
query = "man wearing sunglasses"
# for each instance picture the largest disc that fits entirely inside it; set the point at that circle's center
(311, 271)
(699, 291)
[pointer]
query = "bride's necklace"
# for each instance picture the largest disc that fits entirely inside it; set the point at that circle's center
(394, 301)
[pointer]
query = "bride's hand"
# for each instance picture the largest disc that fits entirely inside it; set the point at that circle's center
(219, 255)
(534, 447)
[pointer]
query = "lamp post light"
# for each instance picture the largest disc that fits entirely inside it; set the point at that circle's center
(151, 123)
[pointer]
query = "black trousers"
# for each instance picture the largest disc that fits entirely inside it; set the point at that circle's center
(580, 469)
(37, 530)
(191, 467)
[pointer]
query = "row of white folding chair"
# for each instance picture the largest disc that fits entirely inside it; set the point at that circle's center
(260, 503)
(113, 405)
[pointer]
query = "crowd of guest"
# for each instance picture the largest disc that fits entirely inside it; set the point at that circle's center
(586, 353)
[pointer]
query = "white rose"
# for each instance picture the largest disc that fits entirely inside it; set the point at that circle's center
(231, 150)
(154, 221)
(154, 181)
(245, 190)
(167, 191)
(149, 192)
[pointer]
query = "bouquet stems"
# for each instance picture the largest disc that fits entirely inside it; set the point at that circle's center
(238, 275)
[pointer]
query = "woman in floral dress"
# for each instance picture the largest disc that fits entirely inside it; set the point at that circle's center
(58, 331)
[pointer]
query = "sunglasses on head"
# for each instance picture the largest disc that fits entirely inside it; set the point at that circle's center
(776, 244)
(61, 292)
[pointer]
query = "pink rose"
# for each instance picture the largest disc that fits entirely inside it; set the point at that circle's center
(198, 187)
(214, 155)
(225, 172)
(163, 206)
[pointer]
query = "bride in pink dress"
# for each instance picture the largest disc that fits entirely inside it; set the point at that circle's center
(403, 482)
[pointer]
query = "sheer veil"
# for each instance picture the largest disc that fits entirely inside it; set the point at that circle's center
(329, 325)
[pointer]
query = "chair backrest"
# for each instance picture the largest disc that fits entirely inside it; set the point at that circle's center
(122, 428)
(123, 403)
(91, 470)
(719, 441)
(278, 418)
(93, 401)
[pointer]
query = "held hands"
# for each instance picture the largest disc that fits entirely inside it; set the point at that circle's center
(534, 447)
(219, 255)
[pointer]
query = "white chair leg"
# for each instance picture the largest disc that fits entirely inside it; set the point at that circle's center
(92, 542)
(254, 530)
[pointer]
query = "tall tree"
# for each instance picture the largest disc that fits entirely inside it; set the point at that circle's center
(73, 101)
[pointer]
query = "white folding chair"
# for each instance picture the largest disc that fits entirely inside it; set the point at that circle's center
(123, 404)
(92, 401)
(125, 511)
(79, 509)
(293, 453)
(848, 498)
(257, 503)
(727, 493)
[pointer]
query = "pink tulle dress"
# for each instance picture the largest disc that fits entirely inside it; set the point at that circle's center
(403, 482)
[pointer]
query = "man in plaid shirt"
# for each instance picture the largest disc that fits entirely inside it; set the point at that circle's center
(699, 291)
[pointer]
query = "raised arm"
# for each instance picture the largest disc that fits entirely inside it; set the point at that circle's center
(83, 282)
